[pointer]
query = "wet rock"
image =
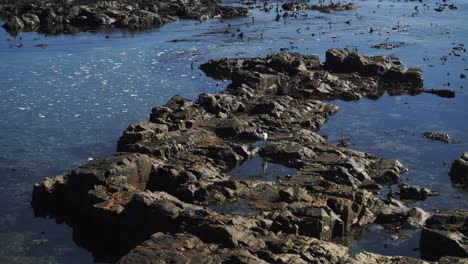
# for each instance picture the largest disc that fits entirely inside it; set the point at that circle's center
(395, 214)
(14, 25)
(459, 171)
(415, 193)
(437, 137)
(148, 201)
(386, 46)
(292, 62)
(229, 12)
(445, 234)
(441, 93)
(295, 6)
(346, 62)
(72, 16)
(333, 7)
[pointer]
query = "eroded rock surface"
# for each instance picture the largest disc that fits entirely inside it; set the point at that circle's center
(445, 234)
(150, 197)
(53, 16)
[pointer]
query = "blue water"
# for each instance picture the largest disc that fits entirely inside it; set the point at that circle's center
(71, 100)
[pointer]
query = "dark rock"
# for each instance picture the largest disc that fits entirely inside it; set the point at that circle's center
(441, 93)
(445, 234)
(71, 16)
(415, 193)
(437, 137)
(14, 25)
(396, 214)
(31, 21)
(295, 6)
(147, 201)
(333, 7)
(459, 171)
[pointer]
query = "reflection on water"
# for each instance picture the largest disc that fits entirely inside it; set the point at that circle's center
(71, 100)
(258, 169)
(389, 242)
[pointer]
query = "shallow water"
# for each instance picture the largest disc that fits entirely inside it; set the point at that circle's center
(71, 100)
(258, 169)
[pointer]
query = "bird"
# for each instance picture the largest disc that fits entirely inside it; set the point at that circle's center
(264, 136)
(264, 167)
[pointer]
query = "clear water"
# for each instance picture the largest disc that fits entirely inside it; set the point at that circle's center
(71, 100)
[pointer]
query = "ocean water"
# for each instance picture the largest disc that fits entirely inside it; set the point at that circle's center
(71, 100)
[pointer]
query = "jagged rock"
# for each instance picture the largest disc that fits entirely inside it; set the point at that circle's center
(445, 234)
(31, 21)
(71, 16)
(14, 25)
(395, 213)
(459, 171)
(169, 168)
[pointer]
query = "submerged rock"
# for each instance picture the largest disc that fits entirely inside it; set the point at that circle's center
(149, 198)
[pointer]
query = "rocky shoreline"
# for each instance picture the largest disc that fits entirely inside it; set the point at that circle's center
(54, 17)
(148, 203)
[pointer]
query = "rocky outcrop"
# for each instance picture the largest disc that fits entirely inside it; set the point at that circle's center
(330, 8)
(459, 171)
(53, 17)
(150, 197)
(445, 234)
(345, 75)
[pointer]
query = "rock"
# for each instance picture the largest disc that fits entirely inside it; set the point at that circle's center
(14, 25)
(154, 201)
(71, 16)
(366, 257)
(396, 214)
(292, 62)
(333, 7)
(184, 248)
(415, 193)
(437, 137)
(445, 234)
(294, 6)
(31, 21)
(442, 93)
(453, 260)
(459, 171)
